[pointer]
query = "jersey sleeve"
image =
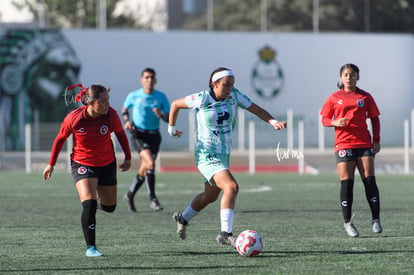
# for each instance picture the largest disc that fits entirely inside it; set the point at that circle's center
(243, 101)
(372, 110)
(120, 134)
(375, 129)
(165, 105)
(327, 110)
(195, 101)
(64, 132)
(128, 101)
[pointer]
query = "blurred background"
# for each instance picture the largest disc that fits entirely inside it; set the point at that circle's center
(379, 16)
(286, 55)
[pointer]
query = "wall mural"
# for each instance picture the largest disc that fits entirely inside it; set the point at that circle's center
(35, 68)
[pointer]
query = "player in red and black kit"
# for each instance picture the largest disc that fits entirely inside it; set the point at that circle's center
(93, 158)
(347, 110)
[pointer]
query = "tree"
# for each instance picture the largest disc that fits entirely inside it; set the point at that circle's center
(297, 15)
(75, 13)
(241, 15)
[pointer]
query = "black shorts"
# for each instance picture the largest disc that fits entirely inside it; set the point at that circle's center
(146, 139)
(345, 155)
(106, 175)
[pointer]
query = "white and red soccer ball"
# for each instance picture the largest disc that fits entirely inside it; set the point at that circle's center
(249, 243)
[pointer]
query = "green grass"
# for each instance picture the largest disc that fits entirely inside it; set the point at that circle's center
(298, 216)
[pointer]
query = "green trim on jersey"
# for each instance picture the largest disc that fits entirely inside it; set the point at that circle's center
(216, 119)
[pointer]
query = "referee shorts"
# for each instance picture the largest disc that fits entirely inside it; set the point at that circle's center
(146, 139)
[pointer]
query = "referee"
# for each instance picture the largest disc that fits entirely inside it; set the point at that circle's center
(148, 106)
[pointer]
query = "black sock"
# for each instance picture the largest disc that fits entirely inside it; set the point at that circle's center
(347, 197)
(372, 195)
(151, 183)
(88, 221)
(136, 184)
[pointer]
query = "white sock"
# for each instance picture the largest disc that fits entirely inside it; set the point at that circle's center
(189, 213)
(227, 218)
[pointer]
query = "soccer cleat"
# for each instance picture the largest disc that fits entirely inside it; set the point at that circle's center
(155, 205)
(130, 201)
(92, 251)
(181, 224)
(351, 230)
(226, 238)
(376, 226)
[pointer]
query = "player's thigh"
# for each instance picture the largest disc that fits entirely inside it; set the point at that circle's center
(87, 188)
(346, 170)
(107, 194)
(366, 166)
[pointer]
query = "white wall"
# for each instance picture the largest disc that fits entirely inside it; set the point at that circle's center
(310, 62)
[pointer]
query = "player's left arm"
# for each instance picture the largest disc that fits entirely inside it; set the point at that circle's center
(375, 121)
(123, 141)
(265, 116)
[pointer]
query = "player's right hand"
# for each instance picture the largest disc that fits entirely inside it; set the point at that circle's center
(47, 172)
(128, 125)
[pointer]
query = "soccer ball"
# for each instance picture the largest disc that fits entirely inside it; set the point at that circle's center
(249, 243)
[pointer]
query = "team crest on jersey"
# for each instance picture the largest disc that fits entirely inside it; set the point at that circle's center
(104, 130)
(231, 100)
(360, 103)
(82, 170)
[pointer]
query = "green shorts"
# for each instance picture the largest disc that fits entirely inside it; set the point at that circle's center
(210, 164)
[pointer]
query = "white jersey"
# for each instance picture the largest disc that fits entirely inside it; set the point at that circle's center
(216, 119)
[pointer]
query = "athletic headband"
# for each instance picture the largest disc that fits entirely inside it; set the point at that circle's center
(221, 74)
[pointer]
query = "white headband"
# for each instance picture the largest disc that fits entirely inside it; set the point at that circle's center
(221, 74)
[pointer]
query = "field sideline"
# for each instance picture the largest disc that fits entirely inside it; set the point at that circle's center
(298, 216)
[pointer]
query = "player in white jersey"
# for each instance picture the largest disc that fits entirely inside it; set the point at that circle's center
(216, 118)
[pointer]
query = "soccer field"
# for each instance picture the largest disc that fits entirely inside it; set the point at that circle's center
(298, 217)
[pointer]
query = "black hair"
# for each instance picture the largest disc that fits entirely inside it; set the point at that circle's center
(149, 70)
(353, 67)
(210, 83)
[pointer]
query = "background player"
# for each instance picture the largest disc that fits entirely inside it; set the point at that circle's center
(347, 110)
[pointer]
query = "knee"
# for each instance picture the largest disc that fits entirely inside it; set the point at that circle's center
(108, 208)
(232, 188)
(150, 165)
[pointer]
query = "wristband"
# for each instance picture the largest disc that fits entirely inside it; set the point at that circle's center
(172, 131)
(273, 122)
